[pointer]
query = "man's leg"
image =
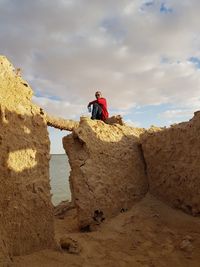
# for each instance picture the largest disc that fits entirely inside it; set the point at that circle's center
(96, 112)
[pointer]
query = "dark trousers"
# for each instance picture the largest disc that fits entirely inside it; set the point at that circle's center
(96, 112)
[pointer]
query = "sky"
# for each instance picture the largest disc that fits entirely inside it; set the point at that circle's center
(144, 56)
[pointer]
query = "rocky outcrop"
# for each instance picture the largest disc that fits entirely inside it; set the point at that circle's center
(26, 212)
(115, 120)
(172, 156)
(108, 171)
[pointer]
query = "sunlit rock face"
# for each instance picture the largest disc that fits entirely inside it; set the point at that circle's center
(172, 156)
(26, 215)
(21, 160)
(108, 170)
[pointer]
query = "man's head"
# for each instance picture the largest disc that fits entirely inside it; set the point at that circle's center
(98, 94)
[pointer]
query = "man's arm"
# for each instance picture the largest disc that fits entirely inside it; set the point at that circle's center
(92, 102)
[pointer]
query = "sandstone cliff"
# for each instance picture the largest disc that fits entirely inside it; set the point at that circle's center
(26, 214)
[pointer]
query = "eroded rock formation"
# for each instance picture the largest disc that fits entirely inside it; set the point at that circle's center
(61, 124)
(108, 171)
(26, 212)
(172, 156)
(108, 167)
(70, 125)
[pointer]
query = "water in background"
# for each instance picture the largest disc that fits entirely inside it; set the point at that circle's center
(59, 178)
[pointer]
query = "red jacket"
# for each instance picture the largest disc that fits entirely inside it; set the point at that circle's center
(102, 102)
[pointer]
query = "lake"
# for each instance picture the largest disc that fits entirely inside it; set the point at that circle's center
(59, 178)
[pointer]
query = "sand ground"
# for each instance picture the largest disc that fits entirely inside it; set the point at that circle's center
(151, 234)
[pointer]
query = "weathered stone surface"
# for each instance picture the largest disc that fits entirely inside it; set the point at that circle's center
(172, 156)
(115, 119)
(4, 253)
(70, 125)
(26, 212)
(70, 245)
(62, 208)
(60, 123)
(186, 246)
(108, 171)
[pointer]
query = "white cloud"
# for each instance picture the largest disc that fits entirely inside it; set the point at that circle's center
(68, 49)
(176, 113)
(133, 123)
(62, 109)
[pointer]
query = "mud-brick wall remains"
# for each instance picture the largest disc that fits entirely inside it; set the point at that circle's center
(112, 167)
(26, 214)
(172, 156)
(108, 170)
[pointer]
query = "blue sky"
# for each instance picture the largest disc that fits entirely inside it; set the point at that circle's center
(143, 55)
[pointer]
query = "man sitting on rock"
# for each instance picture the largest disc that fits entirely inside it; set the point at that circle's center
(99, 110)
